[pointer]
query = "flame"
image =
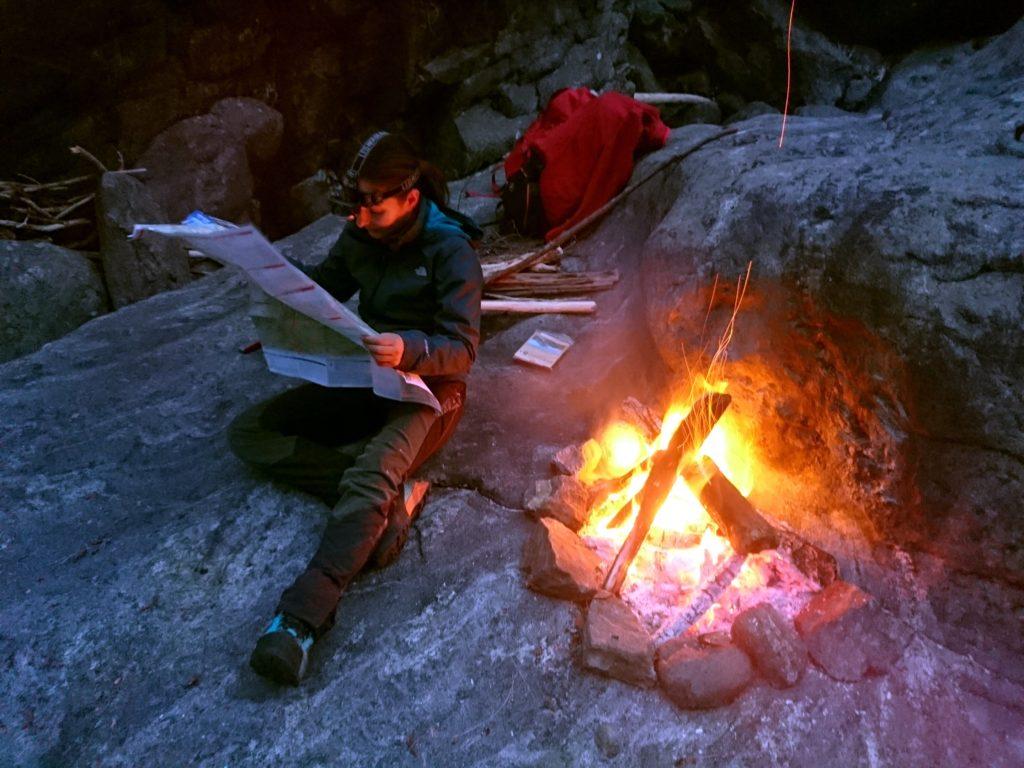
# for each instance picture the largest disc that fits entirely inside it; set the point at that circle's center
(624, 448)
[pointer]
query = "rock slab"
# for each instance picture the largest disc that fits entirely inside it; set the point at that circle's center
(557, 563)
(772, 643)
(616, 644)
(848, 635)
(696, 676)
(135, 269)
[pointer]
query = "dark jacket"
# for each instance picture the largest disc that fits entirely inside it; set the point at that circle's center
(428, 291)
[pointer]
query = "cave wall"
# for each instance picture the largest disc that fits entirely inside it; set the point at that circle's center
(464, 78)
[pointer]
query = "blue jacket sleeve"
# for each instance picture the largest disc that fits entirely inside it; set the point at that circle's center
(451, 348)
(332, 273)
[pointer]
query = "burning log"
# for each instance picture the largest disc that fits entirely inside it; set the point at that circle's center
(746, 530)
(685, 442)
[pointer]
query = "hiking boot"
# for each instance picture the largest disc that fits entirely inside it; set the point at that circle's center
(283, 649)
(400, 519)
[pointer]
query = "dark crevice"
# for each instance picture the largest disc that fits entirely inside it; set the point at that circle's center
(961, 442)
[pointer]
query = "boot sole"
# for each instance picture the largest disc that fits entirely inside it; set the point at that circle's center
(279, 657)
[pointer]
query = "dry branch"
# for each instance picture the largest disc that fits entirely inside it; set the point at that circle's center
(665, 467)
(536, 307)
(553, 249)
(56, 227)
(557, 284)
(672, 98)
(493, 267)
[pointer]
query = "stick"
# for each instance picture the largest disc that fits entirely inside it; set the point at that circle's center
(672, 98)
(545, 253)
(496, 266)
(558, 284)
(746, 530)
(77, 150)
(46, 227)
(538, 307)
(665, 465)
(76, 205)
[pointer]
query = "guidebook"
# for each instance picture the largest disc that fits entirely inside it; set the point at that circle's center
(305, 332)
(543, 349)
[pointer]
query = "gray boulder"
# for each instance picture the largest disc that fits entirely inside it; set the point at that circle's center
(199, 163)
(308, 200)
(260, 126)
(135, 269)
(486, 135)
(45, 292)
(514, 99)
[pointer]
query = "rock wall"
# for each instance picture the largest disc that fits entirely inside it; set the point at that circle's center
(876, 356)
(464, 78)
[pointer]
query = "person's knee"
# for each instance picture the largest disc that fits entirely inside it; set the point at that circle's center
(253, 443)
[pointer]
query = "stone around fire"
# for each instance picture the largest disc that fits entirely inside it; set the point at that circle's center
(563, 498)
(816, 563)
(848, 635)
(615, 644)
(696, 676)
(573, 458)
(557, 563)
(770, 640)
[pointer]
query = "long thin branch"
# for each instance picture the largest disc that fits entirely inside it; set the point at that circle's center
(546, 253)
(44, 227)
(77, 150)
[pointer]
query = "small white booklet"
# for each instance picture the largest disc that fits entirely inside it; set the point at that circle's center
(305, 332)
(543, 348)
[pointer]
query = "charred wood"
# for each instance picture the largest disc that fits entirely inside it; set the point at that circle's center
(746, 530)
(665, 466)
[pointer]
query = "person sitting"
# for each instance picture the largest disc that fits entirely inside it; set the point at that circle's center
(420, 283)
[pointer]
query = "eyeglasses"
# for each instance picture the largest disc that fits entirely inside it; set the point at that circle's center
(351, 198)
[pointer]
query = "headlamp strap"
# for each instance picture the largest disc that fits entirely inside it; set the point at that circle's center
(352, 174)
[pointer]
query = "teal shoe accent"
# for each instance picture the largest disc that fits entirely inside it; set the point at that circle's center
(282, 651)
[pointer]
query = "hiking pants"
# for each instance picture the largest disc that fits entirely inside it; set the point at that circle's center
(354, 450)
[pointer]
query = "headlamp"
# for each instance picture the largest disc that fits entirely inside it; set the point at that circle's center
(349, 199)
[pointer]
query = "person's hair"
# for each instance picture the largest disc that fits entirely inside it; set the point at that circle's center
(394, 159)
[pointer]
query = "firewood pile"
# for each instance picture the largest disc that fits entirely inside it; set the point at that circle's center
(60, 211)
(707, 610)
(516, 281)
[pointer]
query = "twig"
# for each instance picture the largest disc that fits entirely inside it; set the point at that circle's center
(75, 205)
(44, 227)
(77, 150)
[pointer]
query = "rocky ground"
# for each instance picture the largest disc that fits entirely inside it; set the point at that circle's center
(141, 559)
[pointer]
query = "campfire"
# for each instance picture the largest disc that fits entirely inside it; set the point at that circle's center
(685, 582)
(686, 550)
